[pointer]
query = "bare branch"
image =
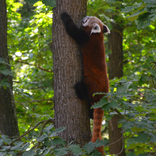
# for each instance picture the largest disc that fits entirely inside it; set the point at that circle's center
(51, 99)
(115, 141)
(41, 68)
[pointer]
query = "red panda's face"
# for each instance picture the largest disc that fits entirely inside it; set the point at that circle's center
(93, 25)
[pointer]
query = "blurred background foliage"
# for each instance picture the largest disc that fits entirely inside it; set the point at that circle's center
(29, 46)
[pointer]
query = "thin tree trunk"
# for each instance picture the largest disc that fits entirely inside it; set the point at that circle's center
(115, 69)
(8, 120)
(70, 112)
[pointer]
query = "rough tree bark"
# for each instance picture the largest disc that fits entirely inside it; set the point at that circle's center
(115, 64)
(8, 120)
(70, 112)
(115, 69)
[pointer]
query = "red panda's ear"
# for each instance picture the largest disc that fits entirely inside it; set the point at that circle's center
(106, 29)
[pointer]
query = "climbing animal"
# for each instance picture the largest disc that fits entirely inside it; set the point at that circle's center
(90, 38)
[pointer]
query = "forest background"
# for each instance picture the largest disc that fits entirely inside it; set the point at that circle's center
(133, 95)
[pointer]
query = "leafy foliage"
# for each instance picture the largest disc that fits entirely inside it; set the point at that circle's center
(4, 70)
(51, 3)
(143, 11)
(47, 144)
(132, 97)
(136, 105)
(29, 37)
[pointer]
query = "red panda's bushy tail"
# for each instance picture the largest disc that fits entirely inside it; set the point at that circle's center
(97, 123)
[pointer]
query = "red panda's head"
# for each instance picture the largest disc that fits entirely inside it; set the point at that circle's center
(92, 25)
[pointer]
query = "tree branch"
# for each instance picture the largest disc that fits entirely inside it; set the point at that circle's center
(118, 113)
(46, 70)
(28, 131)
(41, 131)
(51, 99)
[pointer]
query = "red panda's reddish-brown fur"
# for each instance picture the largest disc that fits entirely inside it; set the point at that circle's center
(95, 78)
(91, 40)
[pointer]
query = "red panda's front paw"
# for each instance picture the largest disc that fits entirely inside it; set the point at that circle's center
(65, 16)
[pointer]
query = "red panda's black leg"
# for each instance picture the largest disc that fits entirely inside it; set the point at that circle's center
(78, 35)
(81, 90)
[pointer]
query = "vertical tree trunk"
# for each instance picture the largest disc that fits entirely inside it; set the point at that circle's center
(115, 64)
(8, 120)
(115, 69)
(70, 112)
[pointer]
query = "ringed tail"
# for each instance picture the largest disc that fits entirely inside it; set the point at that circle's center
(97, 123)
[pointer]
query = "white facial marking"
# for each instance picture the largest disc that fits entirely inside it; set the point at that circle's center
(96, 29)
(108, 31)
(85, 21)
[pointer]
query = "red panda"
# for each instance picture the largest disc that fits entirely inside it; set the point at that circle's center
(91, 41)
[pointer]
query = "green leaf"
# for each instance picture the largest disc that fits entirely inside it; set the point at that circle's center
(58, 141)
(3, 153)
(131, 154)
(75, 149)
(149, 1)
(89, 147)
(17, 146)
(55, 132)
(31, 1)
(102, 102)
(29, 153)
(152, 138)
(129, 8)
(96, 153)
(47, 150)
(60, 151)
(113, 104)
(48, 129)
(99, 143)
(51, 3)
(5, 71)
(6, 139)
(123, 88)
(26, 146)
(142, 137)
(1, 142)
(135, 15)
(42, 137)
(5, 83)
(12, 153)
(5, 148)
(144, 20)
(3, 61)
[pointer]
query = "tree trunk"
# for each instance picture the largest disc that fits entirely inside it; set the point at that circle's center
(116, 137)
(8, 120)
(70, 112)
(115, 64)
(115, 69)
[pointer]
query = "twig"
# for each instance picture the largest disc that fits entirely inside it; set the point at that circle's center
(28, 131)
(41, 131)
(47, 70)
(115, 141)
(51, 99)
(122, 146)
(30, 126)
(118, 113)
